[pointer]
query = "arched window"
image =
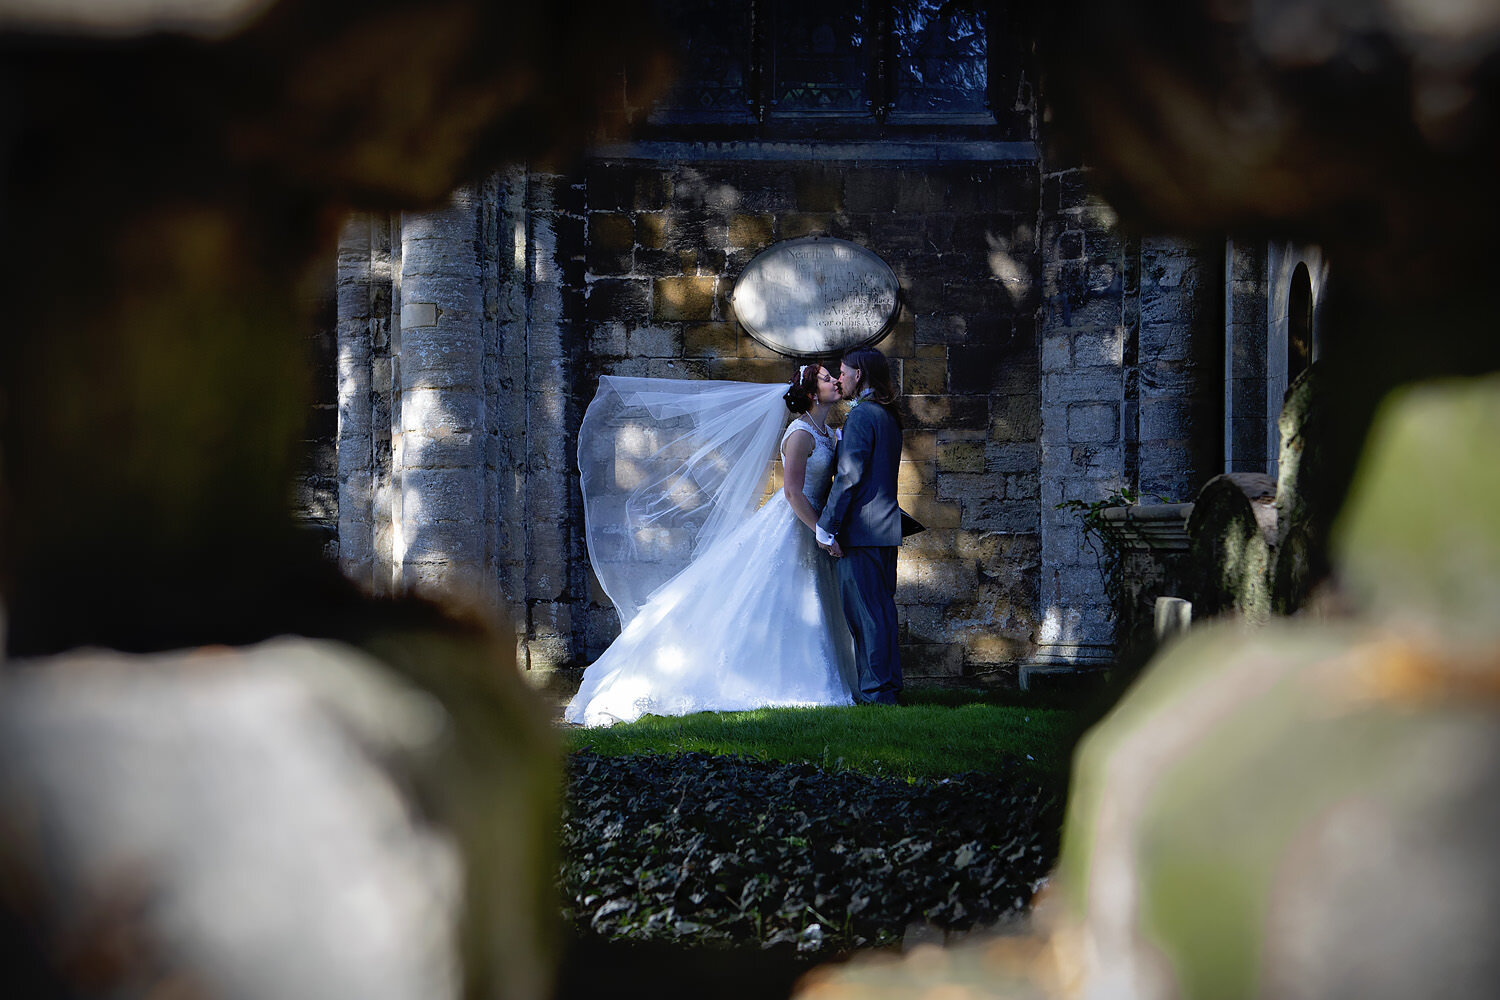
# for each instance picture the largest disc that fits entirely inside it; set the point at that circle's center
(1299, 324)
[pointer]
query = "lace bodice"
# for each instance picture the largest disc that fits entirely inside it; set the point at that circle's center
(819, 476)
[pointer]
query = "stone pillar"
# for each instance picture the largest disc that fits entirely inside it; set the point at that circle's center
(550, 449)
(1245, 330)
(356, 518)
(439, 542)
(1085, 269)
(506, 312)
(364, 281)
(1177, 383)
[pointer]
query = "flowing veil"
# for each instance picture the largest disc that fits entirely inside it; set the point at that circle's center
(667, 467)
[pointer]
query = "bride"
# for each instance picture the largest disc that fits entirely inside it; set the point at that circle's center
(724, 607)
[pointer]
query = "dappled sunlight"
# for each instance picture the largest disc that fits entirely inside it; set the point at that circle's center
(1013, 275)
(695, 187)
(812, 610)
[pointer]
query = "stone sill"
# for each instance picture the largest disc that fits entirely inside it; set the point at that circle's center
(1154, 526)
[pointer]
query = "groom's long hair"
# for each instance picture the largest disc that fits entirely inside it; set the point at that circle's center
(876, 372)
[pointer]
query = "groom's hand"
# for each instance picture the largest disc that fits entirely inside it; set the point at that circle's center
(833, 549)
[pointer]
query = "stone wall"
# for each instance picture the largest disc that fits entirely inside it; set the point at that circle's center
(1041, 354)
(668, 235)
(315, 492)
(1128, 394)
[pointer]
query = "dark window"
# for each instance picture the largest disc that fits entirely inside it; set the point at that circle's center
(940, 56)
(713, 60)
(1299, 324)
(817, 56)
(752, 59)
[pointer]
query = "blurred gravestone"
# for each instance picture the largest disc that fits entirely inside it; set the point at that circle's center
(1232, 538)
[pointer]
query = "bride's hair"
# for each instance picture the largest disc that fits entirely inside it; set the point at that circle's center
(804, 391)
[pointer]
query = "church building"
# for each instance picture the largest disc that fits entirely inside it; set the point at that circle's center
(1043, 354)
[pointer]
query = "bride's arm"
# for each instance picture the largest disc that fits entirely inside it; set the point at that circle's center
(794, 471)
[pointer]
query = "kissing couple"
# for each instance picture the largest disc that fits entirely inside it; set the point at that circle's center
(727, 604)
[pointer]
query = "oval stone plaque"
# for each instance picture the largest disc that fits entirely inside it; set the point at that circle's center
(816, 296)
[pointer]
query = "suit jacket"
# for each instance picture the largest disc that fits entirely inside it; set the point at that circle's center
(861, 507)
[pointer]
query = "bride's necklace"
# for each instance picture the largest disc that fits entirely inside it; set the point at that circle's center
(820, 428)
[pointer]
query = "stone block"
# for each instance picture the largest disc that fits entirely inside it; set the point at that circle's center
(1099, 348)
(1093, 422)
(915, 477)
(900, 341)
(443, 542)
(652, 230)
(607, 339)
(968, 485)
(611, 232)
(935, 579)
(611, 241)
(1165, 420)
(895, 231)
(656, 263)
(1083, 385)
(1023, 486)
(961, 456)
(818, 188)
(550, 653)
(933, 543)
(694, 229)
(686, 298)
(1015, 418)
(999, 364)
(429, 496)
(753, 231)
(1070, 245)
(993, 649)
(355, 494)
(933, 512)
(794, 225)
(442, 363)
(618, 299)
(939, 412)
(1057, 353)
(924, 376)
(920, 191)
(940, 328)
(550, 619)
(982, 514)
(442, 450)
(710, 340)
(747, 369)
(930, 659)
(1012, 457)
(749, 347)
(919, 445)
(869, 190)
(433, 411)
(654, 342)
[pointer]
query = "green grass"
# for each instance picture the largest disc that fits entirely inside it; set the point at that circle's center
(939, 736)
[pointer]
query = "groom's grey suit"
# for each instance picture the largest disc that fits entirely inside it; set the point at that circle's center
(861, 513)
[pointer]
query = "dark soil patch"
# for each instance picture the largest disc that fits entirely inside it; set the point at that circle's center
(728, 852)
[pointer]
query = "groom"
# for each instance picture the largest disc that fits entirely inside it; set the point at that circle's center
(861, 524)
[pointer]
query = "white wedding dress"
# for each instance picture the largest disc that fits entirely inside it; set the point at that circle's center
(753, 621)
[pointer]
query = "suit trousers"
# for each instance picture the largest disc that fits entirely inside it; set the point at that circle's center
(867, 587)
